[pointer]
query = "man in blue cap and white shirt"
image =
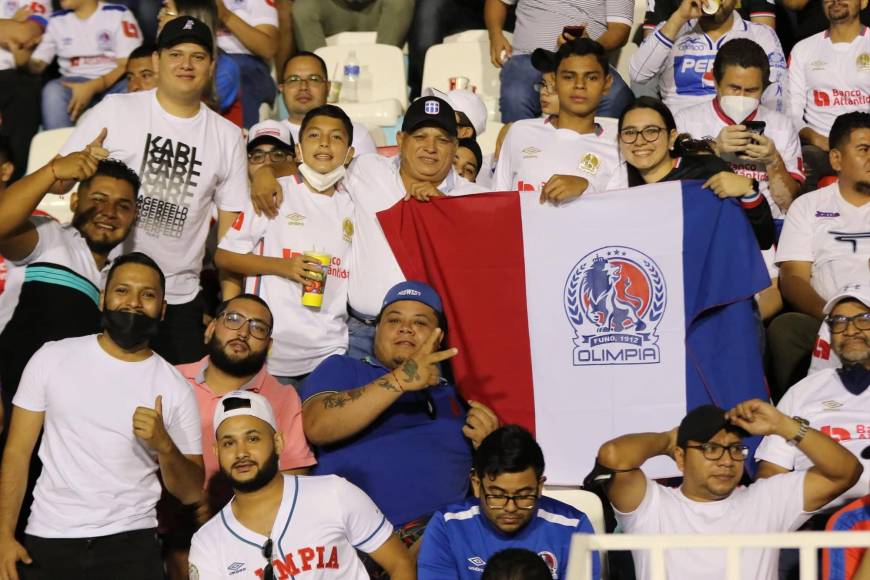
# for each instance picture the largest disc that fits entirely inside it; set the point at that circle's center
(391, 424)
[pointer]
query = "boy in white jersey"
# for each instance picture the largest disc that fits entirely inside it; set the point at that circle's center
(304, 86)
(115, 414)
(190, 159)
(316, 216)
(836, 401)
(829, 74)
(250, 37)
(92, 41)
(772, 156)
(569, 154)
(280, 526)
(825, 245)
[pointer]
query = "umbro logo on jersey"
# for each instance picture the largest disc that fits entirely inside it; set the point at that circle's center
(235, 568)
(295, 219)
(531, 152)
(831, 405)
(477, 564)
(818, 65)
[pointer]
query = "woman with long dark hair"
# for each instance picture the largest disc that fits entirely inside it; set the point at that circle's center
(654, 152)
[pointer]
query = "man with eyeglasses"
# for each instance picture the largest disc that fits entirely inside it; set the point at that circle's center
(835, 401)
(825, 245)
(708, 449)
(238, 341)
(507, 511)
(305, 86)
(269, 143)
(279, 525)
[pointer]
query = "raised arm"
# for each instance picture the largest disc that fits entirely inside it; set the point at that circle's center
(624, 455)
(330, 417)
(18, 236)
(834, 469)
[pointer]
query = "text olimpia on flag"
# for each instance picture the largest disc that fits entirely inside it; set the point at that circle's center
(612, 314)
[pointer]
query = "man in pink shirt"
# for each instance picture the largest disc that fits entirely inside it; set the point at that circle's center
(238, 340)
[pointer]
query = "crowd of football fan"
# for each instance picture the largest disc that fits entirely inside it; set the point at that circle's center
(217, 369)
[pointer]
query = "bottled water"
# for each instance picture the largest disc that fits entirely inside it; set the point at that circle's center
(350, 82)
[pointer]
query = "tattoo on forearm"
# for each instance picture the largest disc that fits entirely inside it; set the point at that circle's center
(386, 384)
(341, 399)
(410, 370)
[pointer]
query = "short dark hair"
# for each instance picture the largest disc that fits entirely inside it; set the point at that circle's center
(508, 449)
(582, 47)
(300, 54)
(516, 564)
(117, 170)
(333, 111)
(471, 144)
(247, 296)
(142, 51)
(744, 53)
(136, 258)
(841, 130)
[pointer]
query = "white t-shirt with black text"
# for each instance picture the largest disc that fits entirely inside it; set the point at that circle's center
(302, 336)
(97, 477)
(187, 167)
(321, 523)
(767, 506)
(823, 228)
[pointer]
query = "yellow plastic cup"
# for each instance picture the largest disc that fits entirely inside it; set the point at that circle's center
(313, 289)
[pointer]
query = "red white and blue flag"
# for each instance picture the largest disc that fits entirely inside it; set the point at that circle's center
(613, 314)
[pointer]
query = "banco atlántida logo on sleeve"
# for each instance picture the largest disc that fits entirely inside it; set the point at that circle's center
(170, 174)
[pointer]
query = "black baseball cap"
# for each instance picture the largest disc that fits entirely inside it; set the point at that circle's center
(545, 61)
(186, 29)
(702, 423)
(430, 112)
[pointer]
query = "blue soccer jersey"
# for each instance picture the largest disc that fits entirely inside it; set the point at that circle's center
(460, 540)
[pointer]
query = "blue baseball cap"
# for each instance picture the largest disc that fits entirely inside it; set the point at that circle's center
(413, 290)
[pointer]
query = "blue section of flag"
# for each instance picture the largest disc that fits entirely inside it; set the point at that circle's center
(722, 271)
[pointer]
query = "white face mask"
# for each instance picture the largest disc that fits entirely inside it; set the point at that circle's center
(738, 107)
(322, 181)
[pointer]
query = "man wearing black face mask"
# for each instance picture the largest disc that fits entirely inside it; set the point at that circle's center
(114, 413)
(60, 295)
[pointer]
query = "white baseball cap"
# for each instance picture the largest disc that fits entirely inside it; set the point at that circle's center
(270, 130)
(466, 102)
(238, 403)
(859, 292)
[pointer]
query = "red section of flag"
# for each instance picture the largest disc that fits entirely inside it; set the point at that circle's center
(470, 249)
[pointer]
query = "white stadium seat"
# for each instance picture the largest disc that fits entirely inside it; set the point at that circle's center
(480, 36)
(467, 59)
(585, 501)
(343, 38)
(383, 91)
(43, 148)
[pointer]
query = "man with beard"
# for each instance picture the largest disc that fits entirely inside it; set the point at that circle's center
(835, 401)
(115, 414)
(238, 340)
(60, 294)
(708, 449)
(681, 50)
(281, 525)
(825, 245)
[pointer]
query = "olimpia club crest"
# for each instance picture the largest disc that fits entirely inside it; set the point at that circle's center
(615, 298)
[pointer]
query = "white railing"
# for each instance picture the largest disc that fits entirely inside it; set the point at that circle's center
(583, 545)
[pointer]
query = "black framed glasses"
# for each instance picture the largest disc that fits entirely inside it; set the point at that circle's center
(268, 570)
(650, 134)
(275, 156)
(839, 324)
(499, 501)
(543, 87)
(257, 328)
(296, 79)
(714, 451)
